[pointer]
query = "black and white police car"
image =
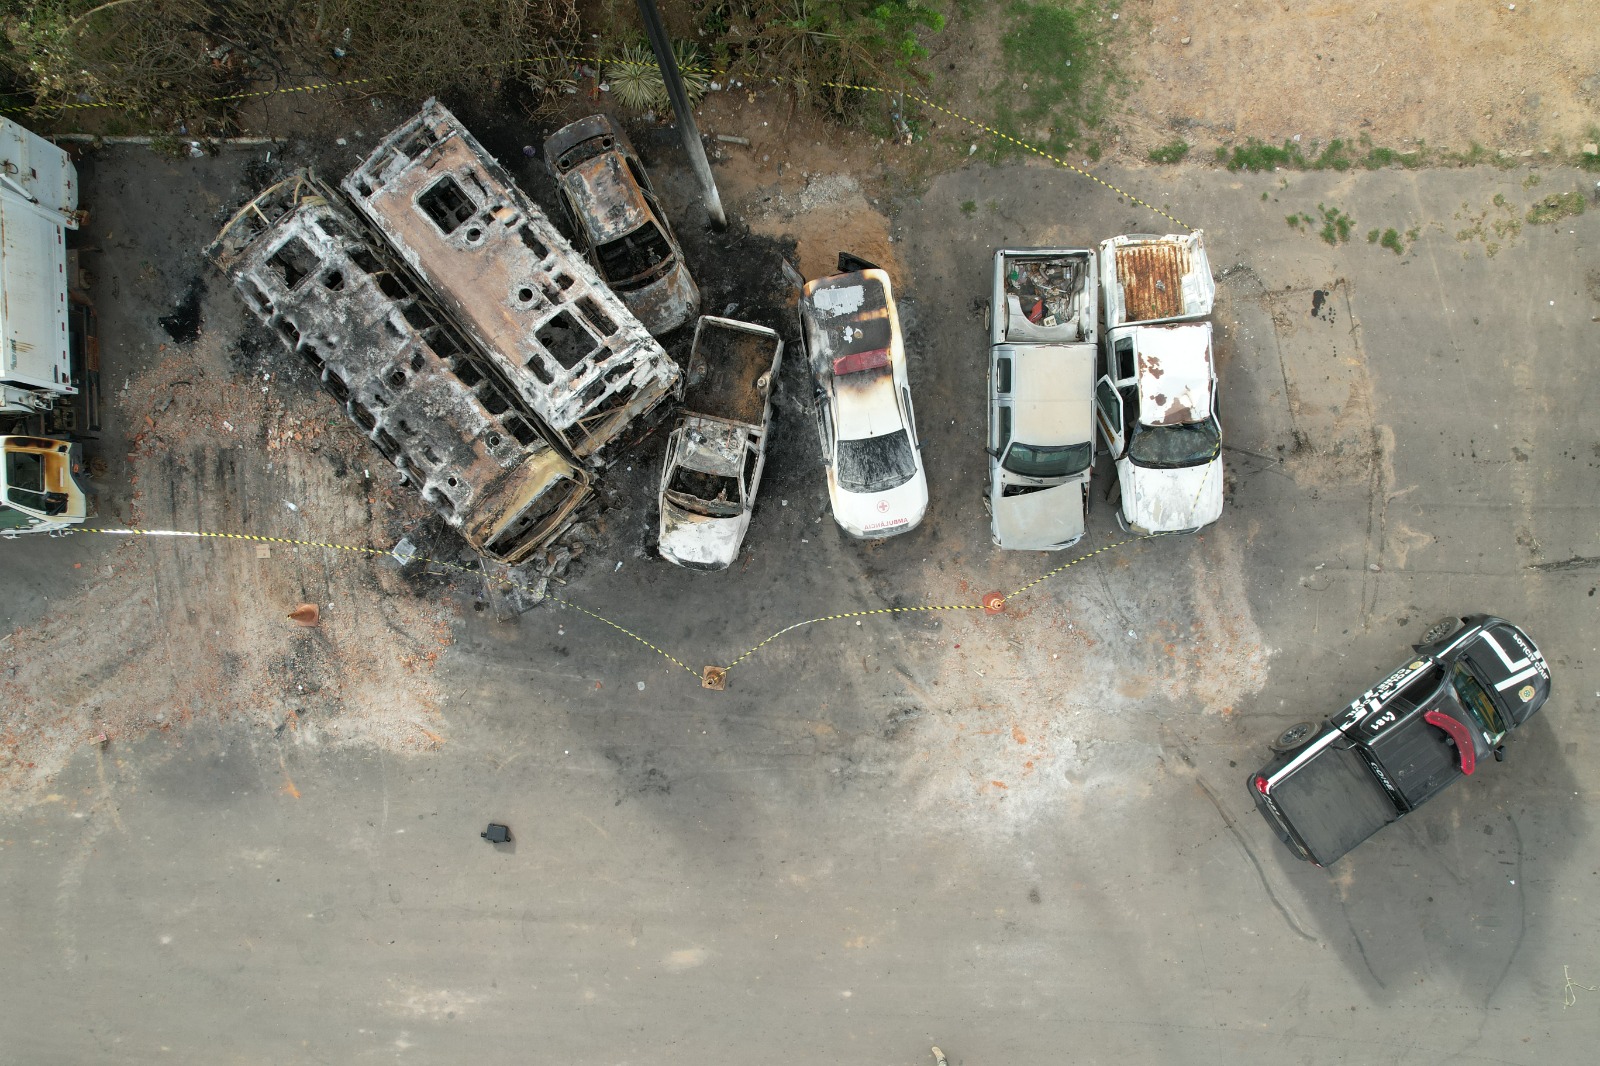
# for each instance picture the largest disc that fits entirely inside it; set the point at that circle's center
(1432, 721)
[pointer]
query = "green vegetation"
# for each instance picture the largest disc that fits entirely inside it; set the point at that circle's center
(1336, 225)
(822, 47)
(1172, 152)
(1591, 160)
(171, 64)
(636, 80)
(1391, 241)
(1555, 208)
(165, 63)
(1338, 154)
(969, 207)
(1062, 77)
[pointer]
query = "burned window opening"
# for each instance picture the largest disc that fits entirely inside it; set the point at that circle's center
(332, 227)
(379, 399)
(336, 385)
(474, 235)
(417, 316)
(443, 343)
(447, 205)
(534, 244)
(430, 455)
(493, 440)
(419, 142)
(566, 338)
(259, 301)
(553, 294)
(333, 281)
(363, 258)
(536, 365)
(466, 371)
(521, 430)
(417, 362)
(406, 428)
(386, 444)
(618, 373)
(597, 318)
(363, 417)
(397, 378)
(313, 356)
(391, 286)
(525, 295)
(494, 401)
(290, 331)
(294, 262)
(594, 390)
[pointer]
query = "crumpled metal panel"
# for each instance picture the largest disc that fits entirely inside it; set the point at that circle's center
(412, 384)
(566, 344)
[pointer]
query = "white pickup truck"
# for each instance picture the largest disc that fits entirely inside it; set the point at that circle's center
(718, 448)
(1042, 331)
(1156, 398)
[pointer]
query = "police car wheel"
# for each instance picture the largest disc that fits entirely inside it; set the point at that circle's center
(1293, 737)
(1441, 629)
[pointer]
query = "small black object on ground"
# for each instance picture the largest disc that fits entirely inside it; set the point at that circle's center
(496, 834)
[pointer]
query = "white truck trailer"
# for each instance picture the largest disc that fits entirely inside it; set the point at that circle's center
(49, 366)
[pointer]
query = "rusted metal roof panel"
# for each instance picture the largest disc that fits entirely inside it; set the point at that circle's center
(1156, 279)
(567, 345)
(410, 382)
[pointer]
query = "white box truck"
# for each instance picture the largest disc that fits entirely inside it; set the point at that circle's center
(49, 365)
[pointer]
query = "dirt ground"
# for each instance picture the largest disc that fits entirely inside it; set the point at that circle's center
(1450, 73)
(1509, 76)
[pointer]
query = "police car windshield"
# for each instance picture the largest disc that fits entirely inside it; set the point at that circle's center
(1476, 699)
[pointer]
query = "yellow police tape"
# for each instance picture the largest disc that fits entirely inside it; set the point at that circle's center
(993, 604)
(1024, 145)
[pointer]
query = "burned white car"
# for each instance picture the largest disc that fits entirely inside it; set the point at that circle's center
(1156, 399)
(718, 449)
(616, 218)
(863, 400)
(1042, 328)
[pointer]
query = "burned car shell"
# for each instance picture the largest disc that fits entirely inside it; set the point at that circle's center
(617, 219)
(865, 420)
(1404, 740)
(717, 452)
(570, 350)
(413, 385)
(1043, 316)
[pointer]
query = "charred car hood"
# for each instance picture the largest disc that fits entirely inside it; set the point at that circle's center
(699, 542)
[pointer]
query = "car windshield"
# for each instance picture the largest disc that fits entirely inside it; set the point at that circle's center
(1188, 444)
(25, 480)
(1063, 461)
(1476, 699)
(876, 464)
(712, 495)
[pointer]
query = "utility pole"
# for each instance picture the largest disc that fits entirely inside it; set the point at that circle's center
(662, 47)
